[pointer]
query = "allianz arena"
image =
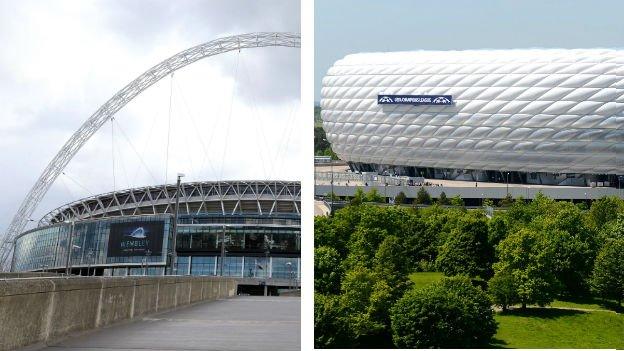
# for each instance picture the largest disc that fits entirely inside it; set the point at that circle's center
(547, 116)
(248, 229)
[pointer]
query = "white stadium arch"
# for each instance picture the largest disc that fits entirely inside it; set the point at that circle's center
(118, 101)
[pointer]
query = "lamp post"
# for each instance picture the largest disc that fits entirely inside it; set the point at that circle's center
(69, 247)
(507, 179)
(174, 254)
(331, 170)
(89, 257)
(290, 275)
(222, 251)
(148, 253)
(386, 191)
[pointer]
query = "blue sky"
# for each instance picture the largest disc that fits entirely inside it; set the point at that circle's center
(349, 26)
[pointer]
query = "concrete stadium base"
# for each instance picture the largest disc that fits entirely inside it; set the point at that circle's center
(41, 310)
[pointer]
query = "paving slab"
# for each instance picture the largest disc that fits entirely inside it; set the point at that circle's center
(239, 323)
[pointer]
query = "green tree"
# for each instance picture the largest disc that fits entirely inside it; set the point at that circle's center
(400, 198)
(467, 250)
(421, 240)
(443, 200)
(572, 261)
(608, 273)
(575, 245)
(605, 210)
(422, 197)
(329, 328)
(488, 203)
(498, 228)
(374, 196)
(613, 229)
(363, 300)
(327, 270)
(457, 201)
(503, 290)
(528, 258)
(324, 234)
(506, 201)
(363, 246)
(392, 263)
(359, 197)
(331, 196)
(451, 313)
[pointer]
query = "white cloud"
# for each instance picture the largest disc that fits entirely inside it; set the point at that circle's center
(61, 60)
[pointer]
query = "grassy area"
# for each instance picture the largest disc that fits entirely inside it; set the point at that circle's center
(425, 278)
(558, 328)
(554, 327)
(592, 303)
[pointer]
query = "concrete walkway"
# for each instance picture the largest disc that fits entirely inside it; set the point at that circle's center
(240, 323)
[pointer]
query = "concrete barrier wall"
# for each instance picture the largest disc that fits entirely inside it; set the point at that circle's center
(37, 310)
(482, 191)
(13, 275)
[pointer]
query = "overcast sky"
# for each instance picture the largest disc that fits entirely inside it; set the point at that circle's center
(233, 116)
(350, 26)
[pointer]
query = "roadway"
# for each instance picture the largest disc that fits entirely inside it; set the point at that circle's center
(239, 323)
(320, 209)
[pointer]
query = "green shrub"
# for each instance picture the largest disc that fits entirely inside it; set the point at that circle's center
(327, 270)
(451, 313)
(400, 198)
(503, 290)
(443, 200)
(608, 274)
(422, 197)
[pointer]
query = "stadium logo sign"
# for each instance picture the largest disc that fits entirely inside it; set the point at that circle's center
(138, 233)
(135, 238)
(415, 100)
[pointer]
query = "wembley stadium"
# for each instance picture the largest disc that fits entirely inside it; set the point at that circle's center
(536, 116)
(247, 229)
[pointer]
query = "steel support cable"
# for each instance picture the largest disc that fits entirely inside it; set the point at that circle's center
(168, 127)
(118, 101)
(221, 108)
(283, 140)
(137, 153)
(113, 150)
(196, 128)
(89, 192)
(149, 137)
(254, 108)
(64, 184)
(186, 140)
(289, 129)
(229, 120)
(120, 160)
(258, 127)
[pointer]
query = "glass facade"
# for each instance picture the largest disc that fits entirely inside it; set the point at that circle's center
(241, 266)
(255, 247)
(239, 238)
(49, 248)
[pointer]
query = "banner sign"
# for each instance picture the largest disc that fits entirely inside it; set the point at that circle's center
(135, 238)
(415, 100)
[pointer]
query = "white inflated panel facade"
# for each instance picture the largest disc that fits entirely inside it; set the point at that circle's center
(534, 110)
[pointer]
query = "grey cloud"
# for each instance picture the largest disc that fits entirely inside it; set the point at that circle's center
(43, 101)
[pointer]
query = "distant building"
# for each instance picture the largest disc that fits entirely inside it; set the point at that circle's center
(538, 116)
